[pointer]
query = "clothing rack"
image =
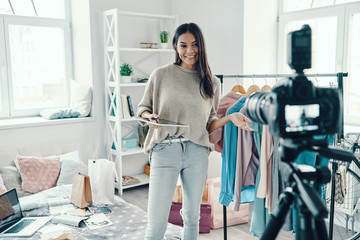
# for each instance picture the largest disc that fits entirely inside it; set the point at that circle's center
(340, 77)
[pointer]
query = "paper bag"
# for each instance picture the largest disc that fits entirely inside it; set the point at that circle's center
(233, 217)
(102, 175)
(178, 195)
(81, 191)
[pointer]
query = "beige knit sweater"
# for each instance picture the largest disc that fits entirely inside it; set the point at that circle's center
(173, 93)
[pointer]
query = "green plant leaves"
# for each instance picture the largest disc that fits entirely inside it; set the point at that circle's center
(126, 69)
(164, 36)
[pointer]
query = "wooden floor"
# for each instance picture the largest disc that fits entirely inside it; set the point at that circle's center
(139, 196)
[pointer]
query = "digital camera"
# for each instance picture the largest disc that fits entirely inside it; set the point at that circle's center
(296, 108)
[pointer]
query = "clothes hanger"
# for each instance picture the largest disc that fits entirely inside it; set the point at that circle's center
(238, 88)
(253, 88)
(266, 87)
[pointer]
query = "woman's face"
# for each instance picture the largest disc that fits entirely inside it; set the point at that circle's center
(187, 48)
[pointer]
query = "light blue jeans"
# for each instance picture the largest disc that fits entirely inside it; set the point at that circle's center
(168, 160)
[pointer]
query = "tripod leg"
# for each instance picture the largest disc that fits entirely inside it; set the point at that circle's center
(321, 230)
(305, 225)
(277, 220)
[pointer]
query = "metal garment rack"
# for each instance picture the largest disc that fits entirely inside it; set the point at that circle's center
(340, 77)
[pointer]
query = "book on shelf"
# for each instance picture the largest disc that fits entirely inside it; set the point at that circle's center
(125, 107)
(121, 114)
(129, 180)
(98, 208)
(131, 109)
(98, 221)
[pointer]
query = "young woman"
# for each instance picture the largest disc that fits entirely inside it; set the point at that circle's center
(185, 92)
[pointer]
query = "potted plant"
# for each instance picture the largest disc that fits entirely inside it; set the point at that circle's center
(125, 72)
(164, 37)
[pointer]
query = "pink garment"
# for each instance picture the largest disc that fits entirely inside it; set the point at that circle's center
(217, 135)
(247, 163)
(266, 158)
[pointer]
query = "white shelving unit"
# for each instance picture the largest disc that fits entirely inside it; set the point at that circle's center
(123, 32)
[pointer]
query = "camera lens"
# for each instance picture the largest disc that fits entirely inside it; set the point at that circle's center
(257, 106)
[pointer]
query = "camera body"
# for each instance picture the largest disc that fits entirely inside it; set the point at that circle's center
(296, 108)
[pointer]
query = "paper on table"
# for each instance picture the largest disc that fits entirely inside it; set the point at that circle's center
(68, 220)
(98, 221)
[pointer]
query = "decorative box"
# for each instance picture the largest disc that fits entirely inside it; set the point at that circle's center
(129, 143)
(147, 169)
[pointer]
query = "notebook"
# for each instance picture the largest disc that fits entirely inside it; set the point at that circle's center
(163, 123)
(12, 221)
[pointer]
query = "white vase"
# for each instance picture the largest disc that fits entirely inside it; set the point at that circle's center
(125, 79)
(163, 45)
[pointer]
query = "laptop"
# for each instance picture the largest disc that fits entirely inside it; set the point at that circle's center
(12, 221)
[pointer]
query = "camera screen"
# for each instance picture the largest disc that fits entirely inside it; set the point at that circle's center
(302, 118)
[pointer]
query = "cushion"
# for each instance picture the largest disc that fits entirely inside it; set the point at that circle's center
(12, 179)
(2, 186)
(81, 98)
(74, 155)
(57, 113)
(68, 169)
(38, 174)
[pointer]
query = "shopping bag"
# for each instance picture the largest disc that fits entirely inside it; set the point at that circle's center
(102, 175)
(81, 191)
(178, 195)
(205, 216)
(233, 217)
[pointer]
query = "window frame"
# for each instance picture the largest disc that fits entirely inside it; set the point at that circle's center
(343, 13)
(5, 66)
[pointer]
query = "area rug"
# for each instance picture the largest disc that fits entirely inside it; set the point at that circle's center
(129, 223)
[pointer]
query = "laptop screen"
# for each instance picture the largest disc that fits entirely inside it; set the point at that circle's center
(10, 211)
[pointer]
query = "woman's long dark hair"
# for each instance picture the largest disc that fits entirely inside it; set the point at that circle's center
(206, 86)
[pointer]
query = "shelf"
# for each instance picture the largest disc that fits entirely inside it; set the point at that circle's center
(168, 50)
(129, 120)
(149, 15)
(129, 152)
(114, 119)
(132, 84)
(144, 179)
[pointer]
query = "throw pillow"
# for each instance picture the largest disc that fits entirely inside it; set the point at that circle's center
(74, 155)
(68, 169)
(56, 113)
(2, 186)
(12, 179)
(81, 98)
(38, 174)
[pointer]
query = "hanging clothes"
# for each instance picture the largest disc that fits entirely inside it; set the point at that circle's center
(217, 135)
(247, 164)
(229, 156)
(266, 158)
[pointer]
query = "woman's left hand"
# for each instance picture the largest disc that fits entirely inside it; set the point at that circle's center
(240, 121)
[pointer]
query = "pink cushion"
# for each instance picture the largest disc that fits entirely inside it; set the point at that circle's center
(2, 186)
(38, 174)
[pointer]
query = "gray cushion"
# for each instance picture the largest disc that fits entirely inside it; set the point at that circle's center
(68, 169)
(12, 179)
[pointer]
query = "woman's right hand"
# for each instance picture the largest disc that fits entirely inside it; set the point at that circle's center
(153, 117)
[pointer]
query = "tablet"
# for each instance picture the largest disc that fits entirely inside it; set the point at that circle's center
(163, 122)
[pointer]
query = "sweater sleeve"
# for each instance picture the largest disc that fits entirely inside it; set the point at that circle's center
(146, 102)
(216, 101)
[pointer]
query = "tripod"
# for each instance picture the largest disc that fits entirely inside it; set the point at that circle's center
(310, 209)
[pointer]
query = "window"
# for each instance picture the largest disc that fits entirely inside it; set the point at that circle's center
(35, 63)
(294, 5)
(335, 38)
